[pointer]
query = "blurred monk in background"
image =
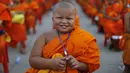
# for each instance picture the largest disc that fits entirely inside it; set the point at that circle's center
(41, 10)
(30, 18)
(125, 44)
(18, 30)
(113, 26)
(5, 20)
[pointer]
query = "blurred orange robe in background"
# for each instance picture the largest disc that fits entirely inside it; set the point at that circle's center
(5, 16)
(6, 2)
(112, 27)
(18, 31)
(30, 19)
(40, 10)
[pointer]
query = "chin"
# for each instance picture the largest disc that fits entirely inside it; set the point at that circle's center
(64, 31)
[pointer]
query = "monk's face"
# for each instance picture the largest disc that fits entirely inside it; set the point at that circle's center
(63, 19)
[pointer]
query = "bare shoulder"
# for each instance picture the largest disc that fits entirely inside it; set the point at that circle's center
(46, 34)
(50, 35)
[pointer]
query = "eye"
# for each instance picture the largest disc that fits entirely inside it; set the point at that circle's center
(59, 17)
(69, 18)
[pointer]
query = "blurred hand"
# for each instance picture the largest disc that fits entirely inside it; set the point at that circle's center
(72, 62)
(58, 64)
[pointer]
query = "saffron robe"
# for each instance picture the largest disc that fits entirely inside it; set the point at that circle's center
(18, 31)
(125, 46)
(30, 19)
(84, 50)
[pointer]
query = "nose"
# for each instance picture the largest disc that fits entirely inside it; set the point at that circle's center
(64, 21)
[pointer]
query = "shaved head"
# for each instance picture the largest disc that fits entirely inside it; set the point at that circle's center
(64, 4)
(70, 1)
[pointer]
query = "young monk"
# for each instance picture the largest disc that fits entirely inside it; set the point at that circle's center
(30, 19)
(62, 46)
(99, 16)
(18, 30)
(5, 19)
(91, 9)
(41, 10)
(113, 25)
(125, 44)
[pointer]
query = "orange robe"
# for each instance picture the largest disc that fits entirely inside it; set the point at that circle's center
(98, 3)
(84, 49)
(30, 15)
(77, 21)
(5, 1)
(124, 45)
(5, 13)
(112, 27)
(40, 10)
(100, 16)
(91, 9)
(18, 31)
(6, 16)
(49, 4)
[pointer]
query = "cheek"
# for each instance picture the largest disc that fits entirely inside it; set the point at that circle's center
(72, 22)
(56, 21)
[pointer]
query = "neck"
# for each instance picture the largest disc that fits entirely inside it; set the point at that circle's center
(62, 33)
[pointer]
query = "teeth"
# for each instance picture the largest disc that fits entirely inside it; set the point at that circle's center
(63, 26)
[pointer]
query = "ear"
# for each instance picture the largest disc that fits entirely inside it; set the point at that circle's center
(53, 26)
(52, 18)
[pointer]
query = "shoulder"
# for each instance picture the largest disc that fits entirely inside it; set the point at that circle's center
(81, 31)
(47, 35)
(87, 34)
(84, 35)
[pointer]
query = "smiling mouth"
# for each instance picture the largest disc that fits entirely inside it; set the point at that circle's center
(64, 27)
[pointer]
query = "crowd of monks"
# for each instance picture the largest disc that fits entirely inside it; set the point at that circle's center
(112, 18)
(109, 16)
(17, 17)
(21, 16)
